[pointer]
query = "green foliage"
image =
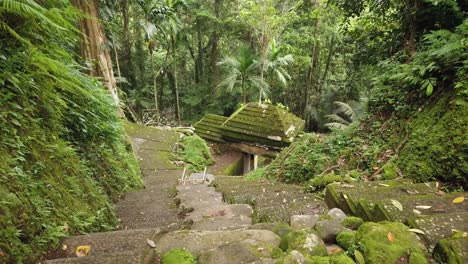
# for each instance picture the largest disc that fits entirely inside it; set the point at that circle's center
(178, 256)
(195, 152)
(256, 174)
(440, 64)
(65, 156)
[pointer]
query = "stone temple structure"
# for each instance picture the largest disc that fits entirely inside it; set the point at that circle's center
(255, 130)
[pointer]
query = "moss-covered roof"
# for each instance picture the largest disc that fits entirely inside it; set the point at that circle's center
(209, 127)
(263, 125)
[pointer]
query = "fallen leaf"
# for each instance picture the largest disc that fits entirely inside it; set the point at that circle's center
(151, 243)
(416, 211)
(64, 247)
(359, 257)
(417, 231)
(384, 185)
(397, 204)
(390, 237)
(2, 253)
(423, 207)
(264, 190)
(458, 200)
(82, 251)
(335, 250)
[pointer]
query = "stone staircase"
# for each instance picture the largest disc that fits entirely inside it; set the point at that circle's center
(151, 219)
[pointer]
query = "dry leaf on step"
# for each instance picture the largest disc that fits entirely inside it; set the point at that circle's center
(397, 204)
(151, 243)
(82, 251)
(423, 207)
(417, 231)
(458, 200)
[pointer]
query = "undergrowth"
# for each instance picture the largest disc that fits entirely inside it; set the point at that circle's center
(415, 127)
(64, 153)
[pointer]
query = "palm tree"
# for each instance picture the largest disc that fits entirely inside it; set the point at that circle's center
(276, 64)
(346, 114)
(242, 72)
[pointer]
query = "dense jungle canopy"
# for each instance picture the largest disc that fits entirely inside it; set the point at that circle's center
(386, 78)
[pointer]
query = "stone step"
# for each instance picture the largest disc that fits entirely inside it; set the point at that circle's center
(122, 246)
(419, 205)
(148, 217)
(221, 210)
(114, 258)
(200, 241)
(440, 226)
(223, 223)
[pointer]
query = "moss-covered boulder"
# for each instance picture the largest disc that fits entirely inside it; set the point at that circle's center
(305, 241)
(209, 128)
(387, 242)
(178, 256)
(262, 124)
(352, 222)
(452, 250)
(346, 239)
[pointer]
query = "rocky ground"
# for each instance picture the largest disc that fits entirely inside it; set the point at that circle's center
(231, 220)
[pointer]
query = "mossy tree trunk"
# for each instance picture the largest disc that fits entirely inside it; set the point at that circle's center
(92, 47)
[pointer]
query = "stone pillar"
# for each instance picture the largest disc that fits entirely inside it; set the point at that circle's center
(247, 161)
(255, 162)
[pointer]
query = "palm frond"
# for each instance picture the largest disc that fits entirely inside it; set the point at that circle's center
(337, 119)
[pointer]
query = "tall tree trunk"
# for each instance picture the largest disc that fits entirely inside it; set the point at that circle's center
(172, 78)
(127, 47)
(92, 47)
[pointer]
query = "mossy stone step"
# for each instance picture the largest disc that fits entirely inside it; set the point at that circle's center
(416, 204)
(440, 226)
(274, 202)
(452, 250)
(127, 246)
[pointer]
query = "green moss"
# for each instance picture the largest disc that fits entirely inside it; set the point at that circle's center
(436, 148)
(304, 241)
(451, 250)
(341, 258)
(318, 260)
(390, 171)
(352, 222)
(178, 256)
(195, 152)
(319, 182)
(417, 258)
(255, 175)
(346, 239)
(282, 229)
(235, 168)
(377, 248)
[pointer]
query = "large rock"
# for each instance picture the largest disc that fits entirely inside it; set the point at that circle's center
(328, 229)
(388, 242)
(201, 241)
(337, 214)
(303, 221)
(304, 241)
(246, 251)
